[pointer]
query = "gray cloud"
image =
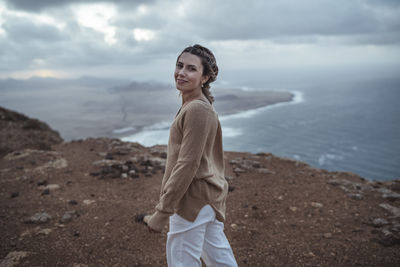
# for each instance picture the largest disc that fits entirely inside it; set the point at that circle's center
(272, 19)
(32, 44)
(36, 6)
(22, 30)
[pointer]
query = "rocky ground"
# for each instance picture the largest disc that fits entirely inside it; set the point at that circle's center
(77, 204)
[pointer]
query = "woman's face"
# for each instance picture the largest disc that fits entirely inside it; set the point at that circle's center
(189, 73)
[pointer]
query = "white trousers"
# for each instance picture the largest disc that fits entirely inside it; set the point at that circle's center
(188, 241)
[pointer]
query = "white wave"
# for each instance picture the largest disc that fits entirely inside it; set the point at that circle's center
(124, 130)
(296, 157)
(149, 137)
(328, 157)
(158, 126)
(231, 132)
(160, 137)
(246, 88)
(158, 133)
(297, 98)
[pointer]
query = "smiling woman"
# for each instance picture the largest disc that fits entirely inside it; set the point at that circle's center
(194, 188)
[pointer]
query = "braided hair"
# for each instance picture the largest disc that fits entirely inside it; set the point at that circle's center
(210, 67)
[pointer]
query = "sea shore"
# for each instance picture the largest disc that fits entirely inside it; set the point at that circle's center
(227, 102)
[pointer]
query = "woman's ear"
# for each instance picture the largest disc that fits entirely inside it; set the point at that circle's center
(204, 79)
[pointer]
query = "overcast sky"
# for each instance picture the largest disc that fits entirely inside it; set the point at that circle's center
(140, 39)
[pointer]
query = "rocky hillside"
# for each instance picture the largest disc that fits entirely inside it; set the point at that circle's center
(79, 204)
(19, 131)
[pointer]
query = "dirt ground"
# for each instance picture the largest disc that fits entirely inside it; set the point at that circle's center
(280, 212)
(77, 204)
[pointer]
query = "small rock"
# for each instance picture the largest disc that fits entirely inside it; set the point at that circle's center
(293, 209)
(356, 196)
(395, 227)
(392, 196)
(67, 217)
(234, 226)
(102, 154)
(379, 222)
(388, 239)
(73, 202)
(310, 254)
(134, 175)
(394, 210)
(256, 164)
(88, 201)
(124, 151)
(45, 192)
(51, 187)
(41, 217)
(42, 182)
(239, 170)
(228, 178)
(264, 171)
(105, 162)
(234, 161)
(13, 258)
(124, 168)
(384, 190)
(316, 205)
(139, 217)
(327, 235)
(45, 231)
(124, 175)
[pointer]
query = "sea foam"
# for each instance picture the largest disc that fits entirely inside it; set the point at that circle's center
(158, 133)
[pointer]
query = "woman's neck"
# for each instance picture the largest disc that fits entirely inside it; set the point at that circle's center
(186, 98)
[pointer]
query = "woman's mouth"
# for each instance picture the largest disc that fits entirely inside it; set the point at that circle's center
(180, 81)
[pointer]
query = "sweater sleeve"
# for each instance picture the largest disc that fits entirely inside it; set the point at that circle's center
(197, 122)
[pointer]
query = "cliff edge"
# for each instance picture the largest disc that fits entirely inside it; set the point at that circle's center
(19, 131)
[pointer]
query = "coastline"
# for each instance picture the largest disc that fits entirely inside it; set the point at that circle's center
(157, 134)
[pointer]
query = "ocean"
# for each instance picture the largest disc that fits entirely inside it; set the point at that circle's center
(349, 126)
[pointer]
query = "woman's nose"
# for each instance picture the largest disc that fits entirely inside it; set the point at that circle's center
(181, 72)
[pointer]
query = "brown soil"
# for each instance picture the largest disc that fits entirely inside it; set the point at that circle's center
(280, 212)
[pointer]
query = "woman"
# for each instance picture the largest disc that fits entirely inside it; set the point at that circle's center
(194, 189)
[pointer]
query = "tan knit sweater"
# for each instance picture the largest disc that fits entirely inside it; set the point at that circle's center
(194, 173)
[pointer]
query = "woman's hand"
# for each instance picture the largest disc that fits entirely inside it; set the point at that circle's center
(151, 230)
